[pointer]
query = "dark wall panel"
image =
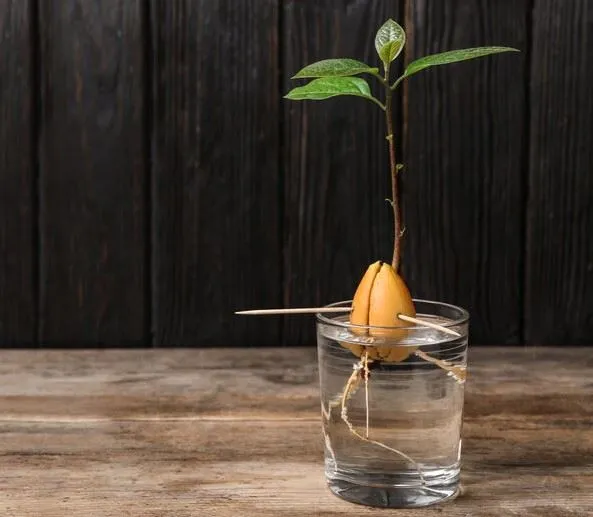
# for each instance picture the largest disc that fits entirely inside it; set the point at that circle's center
(335, 163)
(559, 287)
(92, 173)
(216, 175)
(17, 216)
(465, 163)
(153, 180)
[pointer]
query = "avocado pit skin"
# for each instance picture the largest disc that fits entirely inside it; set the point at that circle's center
(382, 295)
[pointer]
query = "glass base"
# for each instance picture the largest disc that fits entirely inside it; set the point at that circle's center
(393, 495)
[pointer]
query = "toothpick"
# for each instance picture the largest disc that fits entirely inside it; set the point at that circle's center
(315, 310)
(429, 324)
(303, 310)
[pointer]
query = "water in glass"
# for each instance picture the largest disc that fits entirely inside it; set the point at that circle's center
(414, 407)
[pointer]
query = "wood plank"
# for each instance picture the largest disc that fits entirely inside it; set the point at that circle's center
(148, 384)
(269, 383)
(92, 173)
(559, 283)
(216, 178)
(336, 173)
(267, 469)
(527, 440)
(464, 157)
(17, 176)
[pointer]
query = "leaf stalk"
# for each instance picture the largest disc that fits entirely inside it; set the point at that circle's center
(397, 83)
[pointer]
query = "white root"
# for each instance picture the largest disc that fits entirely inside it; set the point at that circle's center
(361, 372)
(375, 442)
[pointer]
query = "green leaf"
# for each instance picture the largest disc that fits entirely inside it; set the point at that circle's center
(390, 41)
(335, 68)
(452, 56)
(326, 87)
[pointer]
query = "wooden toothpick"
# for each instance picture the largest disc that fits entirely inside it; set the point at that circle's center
(315, 310)
(303, 310)
(429, 324)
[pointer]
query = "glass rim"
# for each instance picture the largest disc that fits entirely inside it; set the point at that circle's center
(453, 323)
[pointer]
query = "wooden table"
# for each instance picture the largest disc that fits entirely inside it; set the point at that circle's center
(217, 433)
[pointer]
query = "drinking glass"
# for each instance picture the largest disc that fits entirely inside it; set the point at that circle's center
(392, 427)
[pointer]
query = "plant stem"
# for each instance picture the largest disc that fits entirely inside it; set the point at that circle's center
(393, 168)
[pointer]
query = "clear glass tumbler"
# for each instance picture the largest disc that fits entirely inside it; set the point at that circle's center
(392, 428)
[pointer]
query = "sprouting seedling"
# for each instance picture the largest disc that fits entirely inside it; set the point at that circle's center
(336, 77)
(382, 296)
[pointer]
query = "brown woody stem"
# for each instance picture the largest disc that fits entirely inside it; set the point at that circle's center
(393, 169)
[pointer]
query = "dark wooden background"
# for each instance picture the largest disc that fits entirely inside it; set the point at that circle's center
(153, 180)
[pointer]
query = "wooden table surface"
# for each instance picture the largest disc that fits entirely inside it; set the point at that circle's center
(217, 433)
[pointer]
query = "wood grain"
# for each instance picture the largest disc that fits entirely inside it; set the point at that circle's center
(465, 154)
(273, 469)
(17, 176)
(216, 179)
(234, 383)
(200, 383)
(93, 173)
(528, 448)
(153, 181)
(559, 282)
(336, 173)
